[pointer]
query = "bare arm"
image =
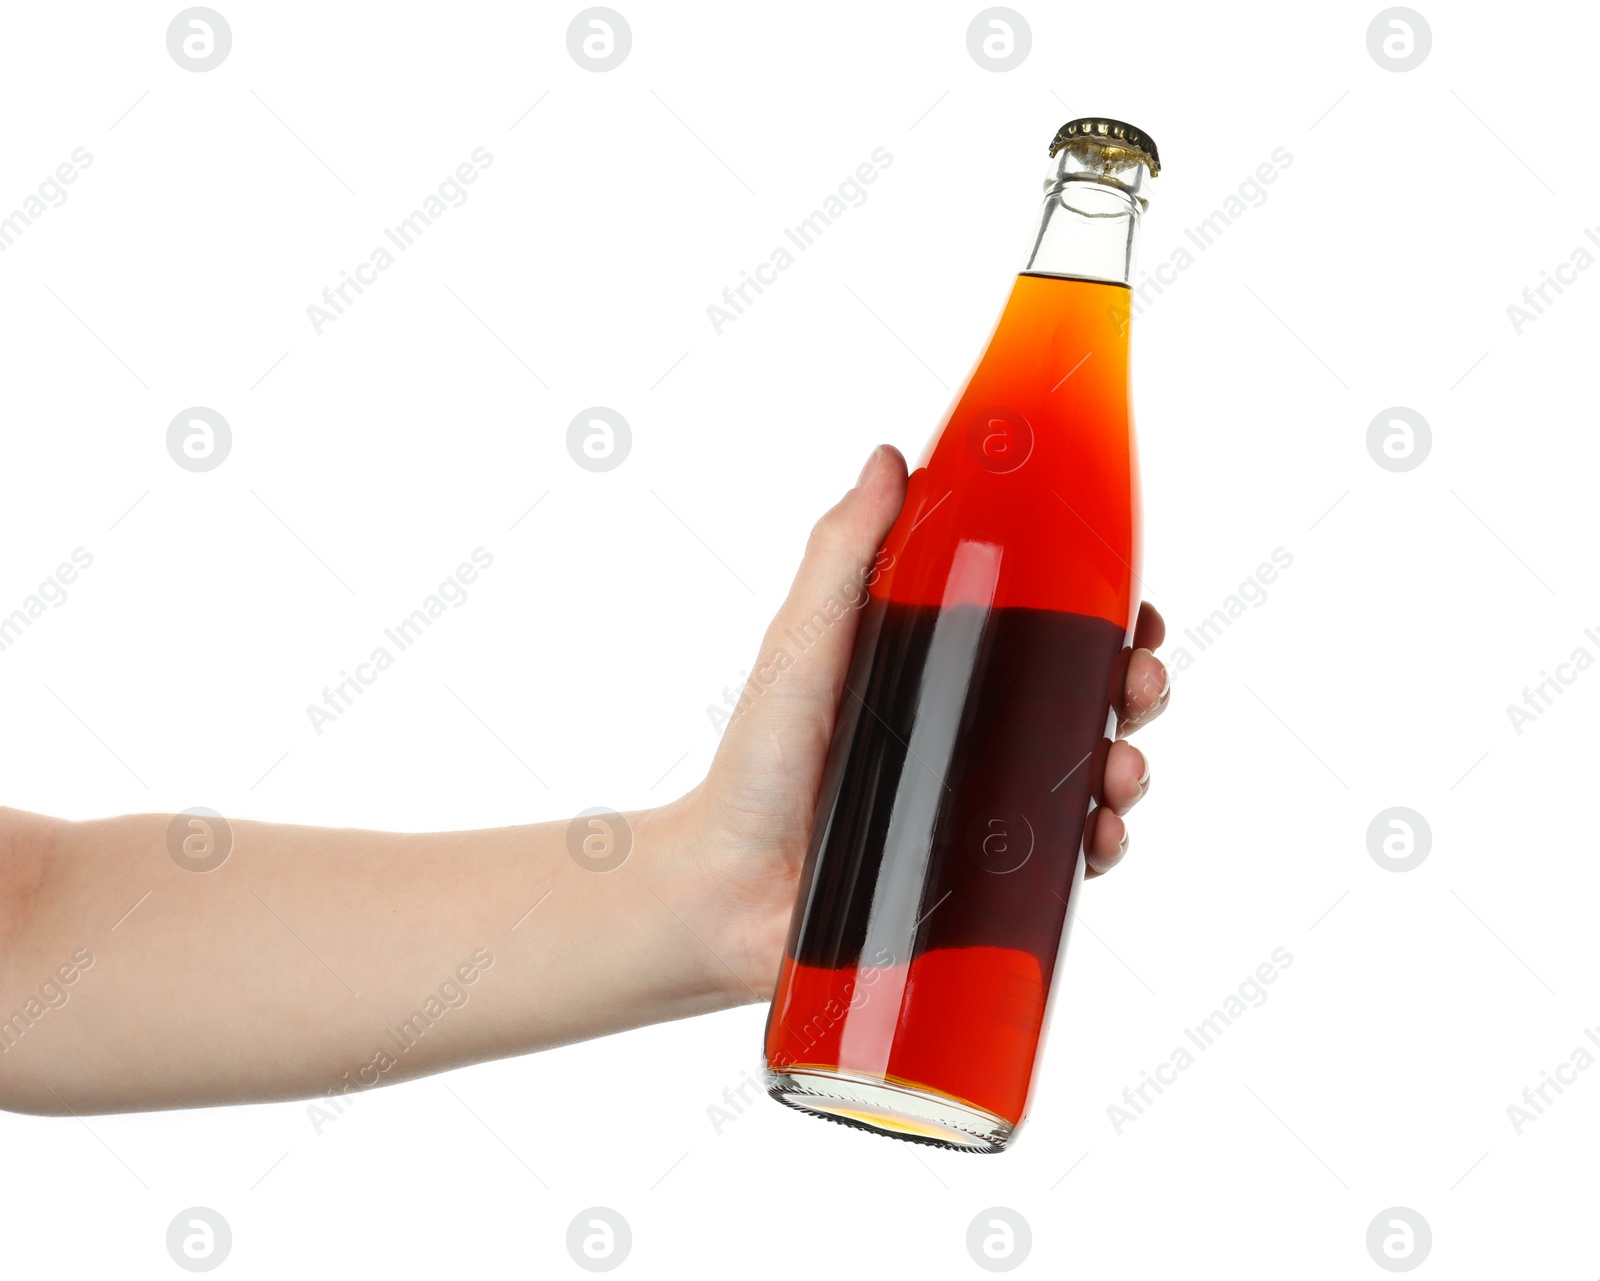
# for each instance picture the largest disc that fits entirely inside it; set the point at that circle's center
(314, 961)
(322, 959)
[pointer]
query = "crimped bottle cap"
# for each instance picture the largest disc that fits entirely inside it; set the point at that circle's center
(1109, 133)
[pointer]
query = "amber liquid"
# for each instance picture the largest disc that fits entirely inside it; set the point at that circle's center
(947, 846)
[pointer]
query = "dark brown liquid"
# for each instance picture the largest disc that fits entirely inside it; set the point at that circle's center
(932, 908)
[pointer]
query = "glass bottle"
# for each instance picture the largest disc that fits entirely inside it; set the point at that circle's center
(948, 844)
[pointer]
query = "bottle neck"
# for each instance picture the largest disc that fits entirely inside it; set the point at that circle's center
(1089, 224)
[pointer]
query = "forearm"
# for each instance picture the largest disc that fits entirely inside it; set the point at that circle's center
(318, 959)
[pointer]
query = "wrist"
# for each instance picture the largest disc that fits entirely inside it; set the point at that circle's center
(726, 949)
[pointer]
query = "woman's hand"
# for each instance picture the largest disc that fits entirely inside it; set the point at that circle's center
(744, 831)
(318, 962)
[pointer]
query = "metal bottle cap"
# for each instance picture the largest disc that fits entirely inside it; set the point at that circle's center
(1115, 135)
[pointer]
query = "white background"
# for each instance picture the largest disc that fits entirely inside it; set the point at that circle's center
(429, 418)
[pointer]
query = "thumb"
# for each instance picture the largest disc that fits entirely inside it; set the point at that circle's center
(805, 655)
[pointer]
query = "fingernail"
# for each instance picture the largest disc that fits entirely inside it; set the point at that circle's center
(1166, 676)
(1122, 847)
(1144, 779)
(871, 465)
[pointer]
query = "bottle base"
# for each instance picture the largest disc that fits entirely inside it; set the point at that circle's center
(882, 1107)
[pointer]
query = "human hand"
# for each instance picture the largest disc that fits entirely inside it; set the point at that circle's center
(210, 970)
(743, 832)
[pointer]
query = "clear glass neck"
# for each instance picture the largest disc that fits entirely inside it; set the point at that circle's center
(1089, 225)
